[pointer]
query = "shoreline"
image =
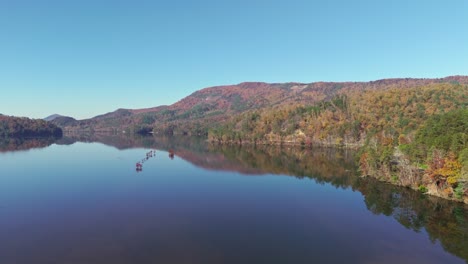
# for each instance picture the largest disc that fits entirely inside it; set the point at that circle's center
(431, 189)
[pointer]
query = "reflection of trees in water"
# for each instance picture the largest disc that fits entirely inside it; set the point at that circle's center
(115, 140)
(18, 144)
(135, 141)
(444, 220)
(332, 166)
(324, 165)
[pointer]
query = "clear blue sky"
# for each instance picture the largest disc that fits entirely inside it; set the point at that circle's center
(87, 57)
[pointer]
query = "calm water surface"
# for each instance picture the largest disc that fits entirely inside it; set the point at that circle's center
(84, 202)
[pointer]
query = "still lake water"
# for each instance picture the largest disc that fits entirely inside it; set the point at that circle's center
(80, 200)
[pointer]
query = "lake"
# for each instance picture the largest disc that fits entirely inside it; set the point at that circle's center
(81, 200)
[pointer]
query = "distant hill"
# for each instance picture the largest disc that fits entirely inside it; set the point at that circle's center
(52, 117)
(63, 121)
(209, 107)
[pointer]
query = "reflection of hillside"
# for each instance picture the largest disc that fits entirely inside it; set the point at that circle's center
(128, 142)
(18, 144)
(318, 164)
(324, 165)
(216, 161)
(117, 141)
(443, 220)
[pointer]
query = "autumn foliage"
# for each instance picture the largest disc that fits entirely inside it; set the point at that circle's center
(396, 123)
(25, 127)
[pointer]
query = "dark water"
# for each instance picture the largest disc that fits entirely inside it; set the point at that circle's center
(81, 200)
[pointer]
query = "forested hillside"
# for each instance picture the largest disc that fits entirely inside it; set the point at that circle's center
(25, 127)
(403, 127)
(416, 137)
(347, 119)
(207, 108)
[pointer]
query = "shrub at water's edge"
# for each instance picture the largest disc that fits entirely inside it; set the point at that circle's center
(434, 161)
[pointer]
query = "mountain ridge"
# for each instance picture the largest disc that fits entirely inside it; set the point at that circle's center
(397, 124)
(462, 79)
(219, 103)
